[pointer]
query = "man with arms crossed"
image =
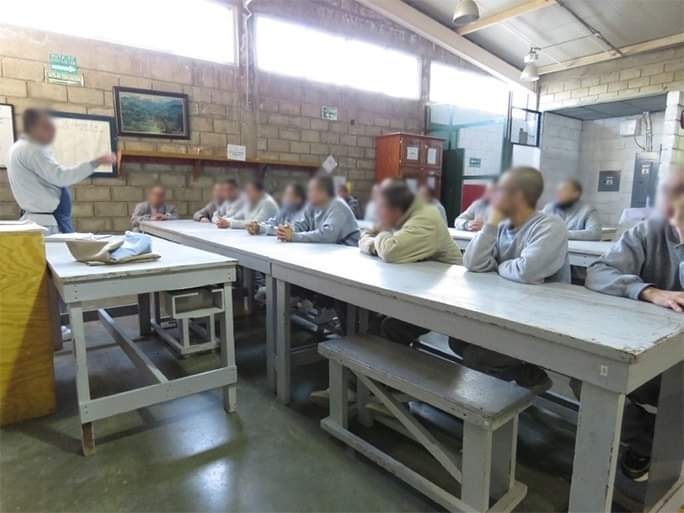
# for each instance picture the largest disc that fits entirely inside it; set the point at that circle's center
(40, 184)
(646, 264)
(582, 220)
(522, 245)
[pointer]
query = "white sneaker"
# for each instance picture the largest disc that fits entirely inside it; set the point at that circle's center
(66, 333)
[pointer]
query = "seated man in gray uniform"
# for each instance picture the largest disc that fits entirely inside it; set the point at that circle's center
(472, 219)
(326, 218)
(219, 195)
(291, 210)
(582, 220)
(522, 245)
(646, 264)
(154, 209)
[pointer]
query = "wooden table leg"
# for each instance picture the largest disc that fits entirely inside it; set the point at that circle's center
(82, 379)
(88, 439)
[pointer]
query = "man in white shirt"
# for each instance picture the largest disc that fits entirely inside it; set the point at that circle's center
(258, 207)
(38, 182)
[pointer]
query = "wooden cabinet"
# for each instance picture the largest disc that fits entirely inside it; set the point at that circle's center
(27, 386)
(412, 157)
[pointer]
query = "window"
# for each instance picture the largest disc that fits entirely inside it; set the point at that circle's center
(204, 30)
(467, 89)
(298, 51)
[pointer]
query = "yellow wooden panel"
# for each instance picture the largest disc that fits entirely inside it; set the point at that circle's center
(27, 387)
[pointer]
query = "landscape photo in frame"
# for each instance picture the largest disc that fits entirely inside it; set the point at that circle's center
(146, 113)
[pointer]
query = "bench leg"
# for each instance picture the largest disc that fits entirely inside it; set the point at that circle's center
(227, 347)
(144, 314)
(350, 321)
(283, 349)
(270, 331)
(339, 409)
(477, 458)
(82, 379)
(504, 446)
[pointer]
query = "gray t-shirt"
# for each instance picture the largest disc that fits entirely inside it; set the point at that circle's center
(648, 254)
(535, 252)
(582, 220)
(334, 224)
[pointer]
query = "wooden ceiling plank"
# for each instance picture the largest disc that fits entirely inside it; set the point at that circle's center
(506, 14)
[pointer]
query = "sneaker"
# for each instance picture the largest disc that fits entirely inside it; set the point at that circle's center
(634, 466)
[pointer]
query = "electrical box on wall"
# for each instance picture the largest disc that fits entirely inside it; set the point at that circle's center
(609, 181)
(630, 127)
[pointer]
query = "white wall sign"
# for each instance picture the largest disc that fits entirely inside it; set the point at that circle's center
(237, 152)
(329, 164)
(412, 152)
(84, 138)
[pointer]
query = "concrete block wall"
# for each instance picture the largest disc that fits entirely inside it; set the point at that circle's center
(559, 152)
(644, 74)
(604, 149)
(276, 117)
(484, 143)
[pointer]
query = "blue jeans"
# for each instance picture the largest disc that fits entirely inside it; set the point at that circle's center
(63, 212)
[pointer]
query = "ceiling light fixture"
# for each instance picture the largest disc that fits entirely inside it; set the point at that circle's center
(466, 11)
(530, 73)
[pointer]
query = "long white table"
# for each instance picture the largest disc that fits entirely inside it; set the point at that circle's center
(613, 345)
(83, 287)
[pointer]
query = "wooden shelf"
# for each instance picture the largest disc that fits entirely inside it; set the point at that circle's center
(199, 161)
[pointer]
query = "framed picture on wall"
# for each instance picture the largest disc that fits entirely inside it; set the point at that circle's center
(146, 113)
(82, 137)
(8, 132)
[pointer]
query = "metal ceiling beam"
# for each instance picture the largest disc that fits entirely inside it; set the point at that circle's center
(443, 36)
(506, 14)
(647, 46)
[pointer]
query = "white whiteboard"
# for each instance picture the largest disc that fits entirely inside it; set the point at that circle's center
(79, 140)
(6, 133)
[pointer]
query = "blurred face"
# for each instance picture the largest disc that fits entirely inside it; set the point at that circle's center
(375, 193)
(291, 199)
(44, 131)
(315, 195)
(507, 197)
(156, 197)
(253, 194)
(388, 217)
(489, 191)
(566, 194)
(232, 192)
(671, 194)
(220, 192)
(424, 194)
(342, 192)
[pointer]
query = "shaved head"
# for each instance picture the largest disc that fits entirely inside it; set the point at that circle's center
(528, 180)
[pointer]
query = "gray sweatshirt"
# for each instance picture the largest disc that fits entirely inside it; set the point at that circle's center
(334, 224)
(284, 216)
(648, 254)
(143, 212)
(536, 252)
(264, 209)
(582, 220)
(206, 212)
(229, 208)
(477, 209)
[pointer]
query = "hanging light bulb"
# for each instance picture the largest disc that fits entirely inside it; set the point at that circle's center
(530, 72)
(466, 11)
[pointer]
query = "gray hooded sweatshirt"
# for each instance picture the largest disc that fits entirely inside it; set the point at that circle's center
(582, 220)
(535, 252)
(477, 209)
(648, 254)
(334, 224)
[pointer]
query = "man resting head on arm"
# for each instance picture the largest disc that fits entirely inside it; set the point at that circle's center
(219, 195)
(582, 220)
(257, 207)
(518, 242)
(326, 219)
(291, 210)
(408, 229)
(154, 209)
(472, 219)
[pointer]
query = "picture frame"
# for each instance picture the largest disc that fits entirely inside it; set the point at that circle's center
(82, 137)
(149, 113)
(8, 132)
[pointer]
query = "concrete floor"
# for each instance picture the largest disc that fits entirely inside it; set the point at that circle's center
(188, 455)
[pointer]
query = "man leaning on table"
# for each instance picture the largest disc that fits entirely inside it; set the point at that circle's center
(326, 218)
(39, 184)
(472, 219)
(646, 264)
(258, 206)
(582, 219)
(291, 210)
(155, 208)
(522, 245)
(219, 195)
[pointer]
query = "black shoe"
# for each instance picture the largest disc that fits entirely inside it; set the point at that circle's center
(533, 377)
(635, 466)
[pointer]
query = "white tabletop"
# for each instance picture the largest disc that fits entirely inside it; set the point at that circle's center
(616, 327)
(174, 258)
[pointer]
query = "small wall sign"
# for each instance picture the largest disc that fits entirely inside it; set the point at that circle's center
(609, 181)
(329, 113)
(63, 69)
(237, 152)
(474, 162)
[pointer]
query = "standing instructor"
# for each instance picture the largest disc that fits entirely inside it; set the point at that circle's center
(40, 185)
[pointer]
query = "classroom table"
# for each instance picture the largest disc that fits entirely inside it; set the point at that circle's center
(581, 252)
(613, 345)
(83, 287)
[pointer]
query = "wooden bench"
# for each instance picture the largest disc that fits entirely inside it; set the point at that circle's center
(488, 406)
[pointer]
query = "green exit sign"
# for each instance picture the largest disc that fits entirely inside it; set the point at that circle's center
(329, 113)
(63, 69)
